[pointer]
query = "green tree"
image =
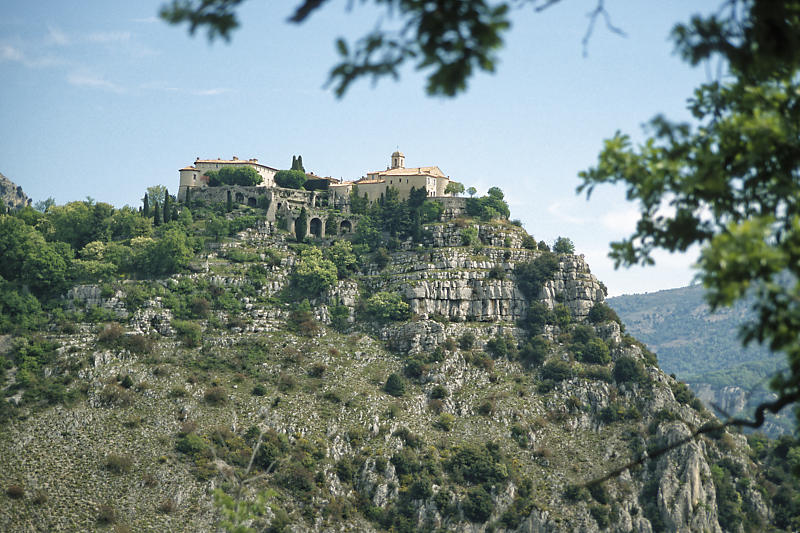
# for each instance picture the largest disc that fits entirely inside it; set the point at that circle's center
(731, 178)
(385, 306)
(166, 211)
(290, 179)
(312, 273)
(243, 175)
(358, 204)
(43, 205)
(156, 215)
(454, 188)
(229, 202)
(216, 227)
(472, 191)
(301, 225)
(341, 253)
(146, 206)
(563, 245)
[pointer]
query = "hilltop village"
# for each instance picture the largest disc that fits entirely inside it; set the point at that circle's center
(318, 195)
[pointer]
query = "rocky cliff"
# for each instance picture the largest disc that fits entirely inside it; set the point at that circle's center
(455, 419)
(11, 194)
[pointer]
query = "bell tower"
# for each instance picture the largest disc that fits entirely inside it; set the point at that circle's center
(398, 160)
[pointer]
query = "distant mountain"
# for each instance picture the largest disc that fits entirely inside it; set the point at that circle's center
(704, 349)
(11, 194)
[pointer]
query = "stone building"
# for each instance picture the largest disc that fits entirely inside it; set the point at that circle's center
(194, 176)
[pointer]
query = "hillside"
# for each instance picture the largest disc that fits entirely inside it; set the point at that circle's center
(704, 350)
(465, 381)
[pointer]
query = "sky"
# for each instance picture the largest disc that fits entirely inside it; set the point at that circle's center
(100, 98)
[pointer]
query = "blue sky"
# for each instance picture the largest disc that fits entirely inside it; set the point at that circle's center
(102, 99)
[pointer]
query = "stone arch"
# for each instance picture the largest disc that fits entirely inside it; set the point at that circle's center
(345, 227)
(239, 198)
(251, 202)
(315, 227)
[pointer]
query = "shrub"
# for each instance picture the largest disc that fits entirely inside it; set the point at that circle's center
(496, 272)
(395, 385)
(106, 514)
(191, 444)
(502, 346)
(478, 505)
(312, 274)
(445, 422)
(528, 242)
(15, 491)
(466, 341)
(168, 506)
(387, 306)
(563, 245)
(439, 391)
(189, 332)
(628, 369)
(534, 352)
(259, 390)
(533, 274)
(469, 236)
(556, 370)
(596, 351)
(111, 334)
(119, 464)
(216, 396)
(601, 514)
(317, 370)
(601, 312)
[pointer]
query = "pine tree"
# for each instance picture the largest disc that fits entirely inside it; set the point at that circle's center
(301, 225)
(229, 205)
(156, 215)
(146, 209)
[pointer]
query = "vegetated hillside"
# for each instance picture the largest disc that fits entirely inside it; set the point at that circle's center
(469, 381)
(704, 349)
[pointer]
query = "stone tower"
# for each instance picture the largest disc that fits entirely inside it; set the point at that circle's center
(398, 160)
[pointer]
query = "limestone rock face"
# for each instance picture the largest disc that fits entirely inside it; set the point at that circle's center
(12, 195)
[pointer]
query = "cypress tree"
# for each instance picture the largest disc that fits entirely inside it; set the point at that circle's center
(146, 209)
(156, 215)
(300, 163)
(186, 199)
(229, 205)
(294, 162)
(166, 210)
(301, 225)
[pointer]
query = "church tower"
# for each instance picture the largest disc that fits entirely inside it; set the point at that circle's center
(398, 160)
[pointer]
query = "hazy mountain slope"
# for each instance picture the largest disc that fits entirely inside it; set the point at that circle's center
(701, 348)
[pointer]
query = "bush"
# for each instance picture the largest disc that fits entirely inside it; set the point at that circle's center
(601, 312)
(629, 370)
(466, 341)
(556, 370)
(438, 392)
(533, 274)
(191, 444)
(189, 332)
(478, 505)
(312, 274)
(118, 464)
(502, 346)
(445, 422)
(106, 514)
(15, 491)
(534, 352)
(596, 352)
(395, 385)
(216, 396)
(387, 306)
